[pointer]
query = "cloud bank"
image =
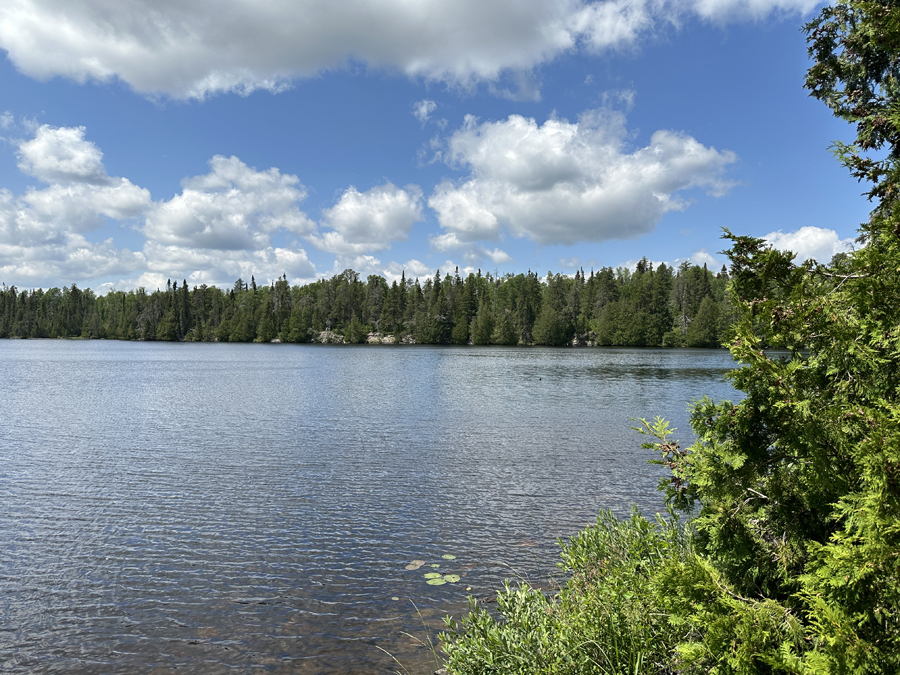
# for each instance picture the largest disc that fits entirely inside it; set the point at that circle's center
(218, 228)
(192, 48)
(371, 220)
(559, 183)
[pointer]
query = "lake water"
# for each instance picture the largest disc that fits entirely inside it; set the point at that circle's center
(252, 508)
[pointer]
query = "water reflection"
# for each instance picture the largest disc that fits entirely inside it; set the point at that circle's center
(254, 506)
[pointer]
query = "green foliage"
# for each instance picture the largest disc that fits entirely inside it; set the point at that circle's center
(356, 331)
(704, 329)
(797, 538)
(552, 325)
(609, 308)
(482, 328)
(605, 620)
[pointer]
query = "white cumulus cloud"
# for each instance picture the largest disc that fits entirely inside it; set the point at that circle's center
(62, 155)
(82, 207)
(42, 231)
(41, 249)
(704, 257)
(810, 242)
(564, 183)
(218, 228)
(496, 256)
(233, 207)
(71, 260)
(614, 23)
(193, 48)
(370, 221)
(80, 193)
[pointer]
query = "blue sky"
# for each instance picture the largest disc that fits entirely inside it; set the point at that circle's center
(151, 140)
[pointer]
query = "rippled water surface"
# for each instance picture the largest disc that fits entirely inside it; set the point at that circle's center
(251, 508)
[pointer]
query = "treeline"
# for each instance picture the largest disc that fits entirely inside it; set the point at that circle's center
(645, 307)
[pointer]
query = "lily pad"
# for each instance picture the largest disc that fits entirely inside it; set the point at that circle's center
(432, 575)
(435, 565)
(436, 582)
(415, 564)
(448, 556)
(452, 578)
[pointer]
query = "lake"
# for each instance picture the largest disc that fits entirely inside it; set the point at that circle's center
(252, 507)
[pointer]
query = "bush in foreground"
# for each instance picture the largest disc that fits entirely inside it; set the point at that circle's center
(605, 620)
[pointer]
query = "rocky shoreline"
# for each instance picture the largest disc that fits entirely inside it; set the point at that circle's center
(327, 337)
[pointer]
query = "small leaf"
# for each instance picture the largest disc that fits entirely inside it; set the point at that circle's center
(448, 556)
(451, 578)
(432, 575)
(435, 582)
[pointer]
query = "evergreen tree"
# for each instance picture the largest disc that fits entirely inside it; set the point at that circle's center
(376, 289)
(553, 325)
(483, 323)
(356, 332)
(528, 305)
(300, 322)
(74, 312)
(573, 304)
(441, 320)
(704, 329)
(549, 328)
(265, 322)
(463, 311)
(390, 311)
(796, 564)
(414, 302)
(167, 328)
(446, 311)
(505, 331)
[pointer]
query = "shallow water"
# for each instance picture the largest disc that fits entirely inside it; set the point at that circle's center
(249, 508)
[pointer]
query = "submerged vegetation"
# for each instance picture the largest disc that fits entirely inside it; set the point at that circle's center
(645, 307)
(782, 550)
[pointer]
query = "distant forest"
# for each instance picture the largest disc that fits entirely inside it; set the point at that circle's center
(647, 307)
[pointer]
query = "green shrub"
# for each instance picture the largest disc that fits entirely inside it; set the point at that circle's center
(606, 619)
